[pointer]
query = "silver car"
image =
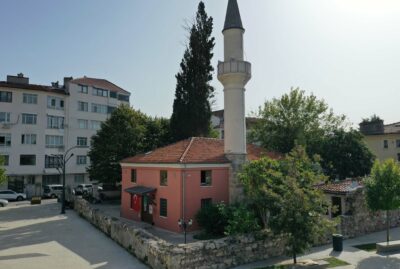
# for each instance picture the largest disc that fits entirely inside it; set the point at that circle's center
(3, 203)
(10, 195)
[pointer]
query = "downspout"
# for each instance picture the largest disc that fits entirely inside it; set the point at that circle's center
(183, 193)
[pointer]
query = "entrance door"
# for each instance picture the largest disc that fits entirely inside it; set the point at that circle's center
(147, 214)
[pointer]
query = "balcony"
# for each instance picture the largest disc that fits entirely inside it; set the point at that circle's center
(234, 67)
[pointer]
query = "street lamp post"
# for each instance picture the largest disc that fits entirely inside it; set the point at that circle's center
(185, 224)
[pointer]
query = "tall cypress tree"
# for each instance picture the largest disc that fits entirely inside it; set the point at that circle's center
(192, 110)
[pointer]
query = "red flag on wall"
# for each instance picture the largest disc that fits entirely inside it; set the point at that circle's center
(135, 203)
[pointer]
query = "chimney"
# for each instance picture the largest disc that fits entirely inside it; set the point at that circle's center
(55, 84)
(66, 81)
(18, 79)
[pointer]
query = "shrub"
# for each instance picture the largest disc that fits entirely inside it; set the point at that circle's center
(241, 220)
(211, 219)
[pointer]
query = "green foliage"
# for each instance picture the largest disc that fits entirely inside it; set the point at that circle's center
(3, 177)
(284, 191)
(344, 154)
(373, 118)
(192, 110)
(126, 133)
(212, 219)
(241, 220)
(294, 119)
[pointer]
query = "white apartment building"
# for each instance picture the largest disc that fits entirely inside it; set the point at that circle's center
(38, 122)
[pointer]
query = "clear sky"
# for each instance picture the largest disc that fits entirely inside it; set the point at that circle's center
(344, 51)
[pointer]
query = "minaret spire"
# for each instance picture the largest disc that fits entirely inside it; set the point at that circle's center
(233, 19)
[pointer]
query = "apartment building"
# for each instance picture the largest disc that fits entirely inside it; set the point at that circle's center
(39, 123)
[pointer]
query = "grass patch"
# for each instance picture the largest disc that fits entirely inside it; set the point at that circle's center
(371, 247)
(334, 262)
(206, 236)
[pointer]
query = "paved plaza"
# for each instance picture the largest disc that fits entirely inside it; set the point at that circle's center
(38, 237)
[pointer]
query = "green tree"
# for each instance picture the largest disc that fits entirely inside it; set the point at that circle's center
(294, 119)
(192, 110)
(383, 189)
(285, 192)
(126, 133)
(3, 177)
(345, 154)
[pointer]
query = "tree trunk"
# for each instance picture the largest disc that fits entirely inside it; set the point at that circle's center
(294, 256)
(387, 227)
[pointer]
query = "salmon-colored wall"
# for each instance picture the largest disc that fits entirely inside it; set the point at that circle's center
(194, 192)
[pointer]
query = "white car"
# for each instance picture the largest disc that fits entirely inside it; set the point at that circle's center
(3, 203)
(12, 195)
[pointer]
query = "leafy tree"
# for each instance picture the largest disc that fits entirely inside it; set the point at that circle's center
(3, 177)
(383, 189)
(241, 220)
(285, 189)
(192, 110)
(344, 154)
(294, 119)
(373, 118)
(126, 133)
(211, 218)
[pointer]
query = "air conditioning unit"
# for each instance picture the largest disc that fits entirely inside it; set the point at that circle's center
(6, 125)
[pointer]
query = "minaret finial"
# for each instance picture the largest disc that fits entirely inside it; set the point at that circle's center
(233, 19)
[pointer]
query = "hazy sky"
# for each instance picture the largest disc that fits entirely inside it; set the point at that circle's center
(344, 51)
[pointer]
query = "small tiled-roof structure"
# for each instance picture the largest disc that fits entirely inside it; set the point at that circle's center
(341, 187)
(195, 150)
(99, 83)
(33, 87)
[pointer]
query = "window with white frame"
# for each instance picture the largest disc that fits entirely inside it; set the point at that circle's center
(28, 139)
(55, 102)
(5, 117)
(81, 160)
(124, 98)
(82, 141)
(79, 178)
(27, 160)
(29, 98)
(83, 124)
(5, 97)
(100, 92)
(54, 141)
(53, 161)
(30, 119)
(83, 89)
(97, 108)
(5, 140)
(83, 106)
(96, 125)
(55, 122)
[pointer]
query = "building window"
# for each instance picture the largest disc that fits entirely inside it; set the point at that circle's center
(133, 176)
(83, 106)
(385, 144)
(96, 125)
(55, 103)
(81, 160)
(29, 98)
(110, 109)
(163, 178)
(29, 118)
(52, 161)
(30, 180)
(54, 141)
(163, 207)
(100, 92)
(50, 180)
(79, 178)
(205, 178)
(55, 122)
(83, 124)
(5, 140)
(5, 117)
(398, 143)
(28, 139)
(336, 206)
(124, 98)
(5, 97)
(27, 159)
(113, 95)
(81, 141)
(6, 159)
(83, 89)
(206, 202)
(97, 108)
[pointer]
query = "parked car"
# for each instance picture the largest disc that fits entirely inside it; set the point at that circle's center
(52, 191)
(3, 202)
(84, 189)
(108, 192)
(12, 195)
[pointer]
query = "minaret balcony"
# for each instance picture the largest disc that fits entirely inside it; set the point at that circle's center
(234, 68)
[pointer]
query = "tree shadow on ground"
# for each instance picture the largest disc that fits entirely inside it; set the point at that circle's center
(379, 262)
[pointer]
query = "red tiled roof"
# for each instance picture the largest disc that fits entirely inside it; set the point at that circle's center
(196, 150)
(342, 187)
(33, 87)
(99, 83)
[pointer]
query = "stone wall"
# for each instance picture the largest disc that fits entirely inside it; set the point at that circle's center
(159, 254)
(359, 220)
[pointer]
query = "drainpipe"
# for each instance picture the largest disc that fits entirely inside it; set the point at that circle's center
(183, 193)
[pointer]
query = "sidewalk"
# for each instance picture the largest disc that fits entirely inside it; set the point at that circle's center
(358, 259)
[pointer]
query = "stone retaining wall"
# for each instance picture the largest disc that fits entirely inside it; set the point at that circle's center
(159, 254)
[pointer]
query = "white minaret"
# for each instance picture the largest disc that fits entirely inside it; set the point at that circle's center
(234, 73)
